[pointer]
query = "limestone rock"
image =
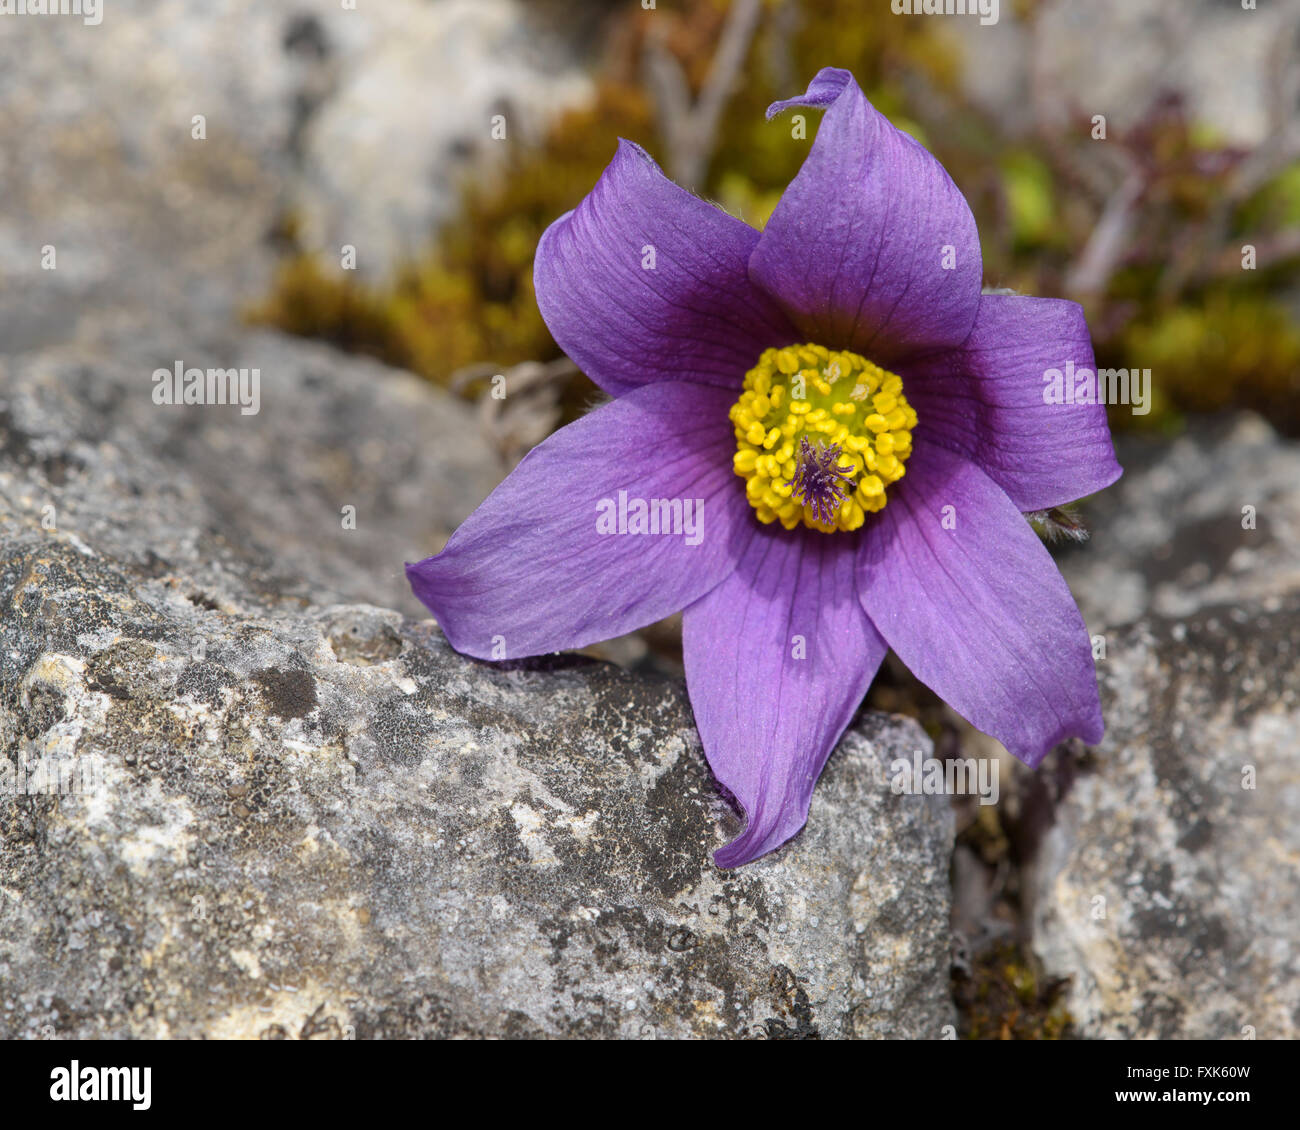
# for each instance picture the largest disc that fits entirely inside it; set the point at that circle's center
(1166, 885)
(287, 813)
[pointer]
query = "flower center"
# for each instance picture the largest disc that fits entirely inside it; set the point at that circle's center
(820, 434)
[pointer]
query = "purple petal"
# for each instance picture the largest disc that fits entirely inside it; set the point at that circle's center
(694, 317)
(529, 573)
(985, 401)
(769, 719)
(978, 612)
(856, 248)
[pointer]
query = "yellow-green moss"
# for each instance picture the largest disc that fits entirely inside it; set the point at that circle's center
(1004, 998)
(1226, 351)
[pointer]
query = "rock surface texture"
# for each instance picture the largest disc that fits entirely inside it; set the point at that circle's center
(1167, 886)
(156, 154)
(288, 814)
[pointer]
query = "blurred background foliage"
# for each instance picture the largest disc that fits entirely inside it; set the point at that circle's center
(1145, 227)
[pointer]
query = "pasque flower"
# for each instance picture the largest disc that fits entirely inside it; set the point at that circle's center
(863, 430)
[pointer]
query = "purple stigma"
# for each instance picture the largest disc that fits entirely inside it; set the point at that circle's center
(818, 482)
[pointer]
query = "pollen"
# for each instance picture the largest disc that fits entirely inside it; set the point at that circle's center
(821, 435)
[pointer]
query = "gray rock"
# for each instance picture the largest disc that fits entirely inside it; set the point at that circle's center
(1112, 57)
(296, 815)
(233, 504)
(418, 86)
(1166, 884)
(355, 124)
(1166, 888)
(1212, 518)
(99, 162)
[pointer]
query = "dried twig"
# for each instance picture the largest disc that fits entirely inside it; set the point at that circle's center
(1109, 240)
(1269, 251)
(689, 130)
(1206, 256)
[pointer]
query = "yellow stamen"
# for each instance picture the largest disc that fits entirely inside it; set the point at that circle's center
(808, 392)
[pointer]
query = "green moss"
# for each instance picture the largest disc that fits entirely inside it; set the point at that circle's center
(1005, 998)
(1275, 205)
(1030, 199)
(1229, 350)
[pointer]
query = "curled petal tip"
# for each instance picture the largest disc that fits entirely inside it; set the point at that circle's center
(827, 85)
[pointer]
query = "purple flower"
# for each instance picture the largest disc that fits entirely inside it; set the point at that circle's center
(854, 428)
